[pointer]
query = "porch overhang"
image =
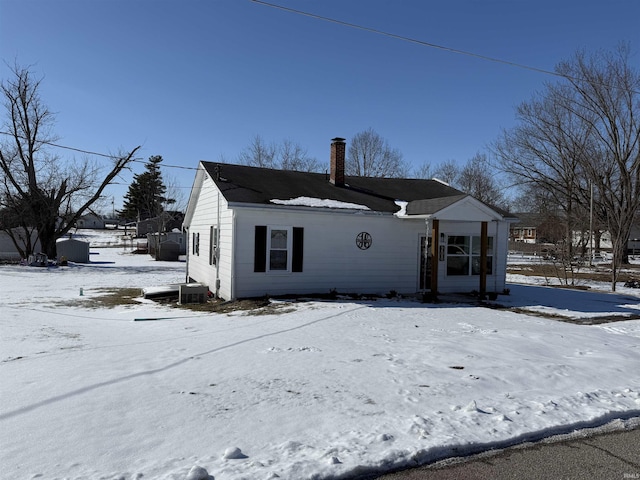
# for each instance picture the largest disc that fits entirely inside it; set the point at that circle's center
(458, 208)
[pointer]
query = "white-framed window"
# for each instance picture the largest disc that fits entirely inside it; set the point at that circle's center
(279, 249)
(214, 237)
(463, 255)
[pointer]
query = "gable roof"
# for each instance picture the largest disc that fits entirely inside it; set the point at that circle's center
(432, 205)
(255, 185)
(244, 184)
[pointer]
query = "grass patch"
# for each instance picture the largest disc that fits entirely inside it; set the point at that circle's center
(118, 297)
(107, 298)
(261, 306)
(601, 273)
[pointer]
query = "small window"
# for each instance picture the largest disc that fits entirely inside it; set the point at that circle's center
(278, 248)
(195, 240)
(213, 245)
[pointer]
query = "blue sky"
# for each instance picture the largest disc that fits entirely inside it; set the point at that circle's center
(197, 79)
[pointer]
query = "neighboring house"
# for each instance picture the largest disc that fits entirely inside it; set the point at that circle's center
(256, 231)
(633, 247)
(8, 250)
(90, 220)
(166, 222)
(526, 229)
(144, 227)
(176, 236)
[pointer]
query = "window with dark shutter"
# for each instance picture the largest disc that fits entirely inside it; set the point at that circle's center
(278, 249)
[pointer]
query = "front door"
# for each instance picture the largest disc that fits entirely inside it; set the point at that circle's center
(424, 281)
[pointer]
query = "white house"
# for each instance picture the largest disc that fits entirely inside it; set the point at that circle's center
(8, 250)
(255, 231)
(90, 220)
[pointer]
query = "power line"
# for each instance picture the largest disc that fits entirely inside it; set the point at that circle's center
(431, 45)
(89, 152)
(9, 134)
(409, 39)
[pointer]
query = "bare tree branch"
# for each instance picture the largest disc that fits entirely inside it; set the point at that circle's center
(42, 192)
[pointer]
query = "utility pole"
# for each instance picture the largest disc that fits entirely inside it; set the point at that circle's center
(591, 226)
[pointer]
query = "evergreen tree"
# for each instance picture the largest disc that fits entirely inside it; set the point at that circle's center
(145, 197)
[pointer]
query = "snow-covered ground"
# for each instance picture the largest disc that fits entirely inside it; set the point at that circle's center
(314, 390)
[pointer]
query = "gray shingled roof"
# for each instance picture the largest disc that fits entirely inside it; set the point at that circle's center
(432, 205)
(244, 184)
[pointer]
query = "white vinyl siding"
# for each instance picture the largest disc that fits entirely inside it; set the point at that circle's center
(204, 217)
(332, 260)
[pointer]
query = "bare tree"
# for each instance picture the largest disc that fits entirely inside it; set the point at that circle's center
(293, 157)
(477, 179)
(425, 170)
(288, 155)
(543, 153)
(371, 156)
(580, 132)
(448, 171)
(175, 195)
(47, 193)
(530, 199)
(259, 154)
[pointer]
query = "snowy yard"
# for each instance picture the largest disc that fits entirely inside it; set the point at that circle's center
(316, 390)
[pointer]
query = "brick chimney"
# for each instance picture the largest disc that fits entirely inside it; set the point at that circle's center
(337, 161)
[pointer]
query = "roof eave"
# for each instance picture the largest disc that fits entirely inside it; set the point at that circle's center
(306, 208)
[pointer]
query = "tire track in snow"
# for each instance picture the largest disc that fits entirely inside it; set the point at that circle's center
(95, 386)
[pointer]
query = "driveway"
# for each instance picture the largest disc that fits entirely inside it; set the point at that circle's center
(614, 455)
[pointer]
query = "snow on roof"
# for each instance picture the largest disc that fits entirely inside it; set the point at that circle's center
(403, 208)
(317, 202)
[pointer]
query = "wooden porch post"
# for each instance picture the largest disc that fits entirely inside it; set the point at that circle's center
(483, 259)
(435, 248)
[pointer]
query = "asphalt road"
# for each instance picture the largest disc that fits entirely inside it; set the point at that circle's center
(614, 455)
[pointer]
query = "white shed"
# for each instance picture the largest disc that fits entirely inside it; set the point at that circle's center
(72, 250)
(255, 231)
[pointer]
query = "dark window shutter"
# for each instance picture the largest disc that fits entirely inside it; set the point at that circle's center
(298, 249)
(260, 249)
